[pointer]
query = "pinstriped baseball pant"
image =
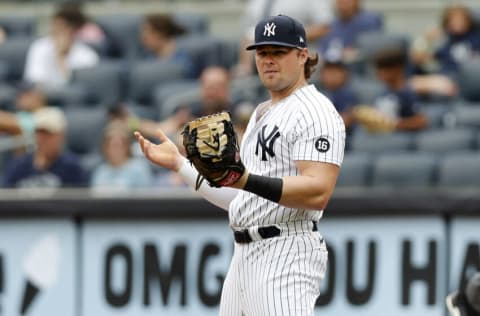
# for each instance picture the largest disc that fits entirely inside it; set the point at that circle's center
(278, 276)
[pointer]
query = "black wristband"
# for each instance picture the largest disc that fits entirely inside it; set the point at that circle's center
(266, 187)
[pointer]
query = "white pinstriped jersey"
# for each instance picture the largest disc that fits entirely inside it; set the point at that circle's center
(303, 126)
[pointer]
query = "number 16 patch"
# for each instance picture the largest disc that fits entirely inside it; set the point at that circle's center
(322, 145)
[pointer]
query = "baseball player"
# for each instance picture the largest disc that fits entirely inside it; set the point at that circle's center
(291, 150)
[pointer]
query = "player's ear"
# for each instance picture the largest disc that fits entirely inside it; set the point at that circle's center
(303, 55)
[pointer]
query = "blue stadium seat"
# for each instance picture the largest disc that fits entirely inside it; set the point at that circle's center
(7, 97)
(203, 49)
(366, 89)
(228, 52)
(377, 143)
(164, 92)
(144, 77)
(435, 113)
(85, 128)
(192, 22)
(476, 16)
(460, 169)
(19, 25)
(356, 170)
(404, 170)
(468, 80)
(122, 32)
(13, 52)
(69, 95)
(467, 115)
(102, 83)
(445, 140)
(370, 43)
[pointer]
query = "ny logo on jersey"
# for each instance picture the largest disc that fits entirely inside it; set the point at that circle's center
(269, 29)
(267, 142)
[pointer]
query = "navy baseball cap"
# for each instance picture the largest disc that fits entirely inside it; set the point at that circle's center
(279, 30)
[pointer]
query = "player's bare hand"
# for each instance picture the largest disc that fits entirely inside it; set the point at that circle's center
(164, 154)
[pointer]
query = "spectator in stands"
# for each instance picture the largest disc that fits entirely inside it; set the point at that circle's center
(159, 33)
(351, 21)
(51, 60)
(444, 49)
(396, 109)
(87, 31)
(334, 83)
(315, 15)
(214, 97)
(28, 100)
(120, 170)
(214, 92)
(49, 166)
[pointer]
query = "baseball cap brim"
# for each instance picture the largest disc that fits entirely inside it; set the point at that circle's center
(273, 43)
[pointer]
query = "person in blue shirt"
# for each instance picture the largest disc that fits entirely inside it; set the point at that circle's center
(351, 21)
(120, 170)
(334, 83)
(397, 105)
(49, 166)
(443, 49)
(462, 42)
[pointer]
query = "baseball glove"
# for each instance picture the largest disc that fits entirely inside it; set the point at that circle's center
(211, 146)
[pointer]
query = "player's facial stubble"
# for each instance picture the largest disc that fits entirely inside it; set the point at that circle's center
(280, 68)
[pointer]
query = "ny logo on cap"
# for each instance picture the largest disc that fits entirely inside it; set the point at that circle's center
(269, 29)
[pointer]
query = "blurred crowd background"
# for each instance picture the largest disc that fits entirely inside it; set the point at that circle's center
(78, 77)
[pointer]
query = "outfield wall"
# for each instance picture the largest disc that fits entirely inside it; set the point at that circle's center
(78, 254)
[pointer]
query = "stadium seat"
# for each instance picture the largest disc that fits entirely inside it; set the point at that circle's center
(122, 32)
(85, 128)
(165, 92)
(355, 171)
(468, 80)
(362, 141)
(445, 140)
(404, 170)
(366, 89)
(144, 77)
(69, 95)
(476, 16)
(370, 43)
(204, 50)
(173, 102)
(19, 25)
(460, 169)
(467, 115)
(192, 22)
(13, 52)
(7, 97)
(435, 113)
(103, 83)
(228, 50)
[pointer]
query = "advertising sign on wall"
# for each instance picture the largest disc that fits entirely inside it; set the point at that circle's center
(464, 255)
(378, 265)
(154, 267)
(37, 267)
(177, 268)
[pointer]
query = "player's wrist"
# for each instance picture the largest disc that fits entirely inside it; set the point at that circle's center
(181, 164)
(266, 187)
(240, 184)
